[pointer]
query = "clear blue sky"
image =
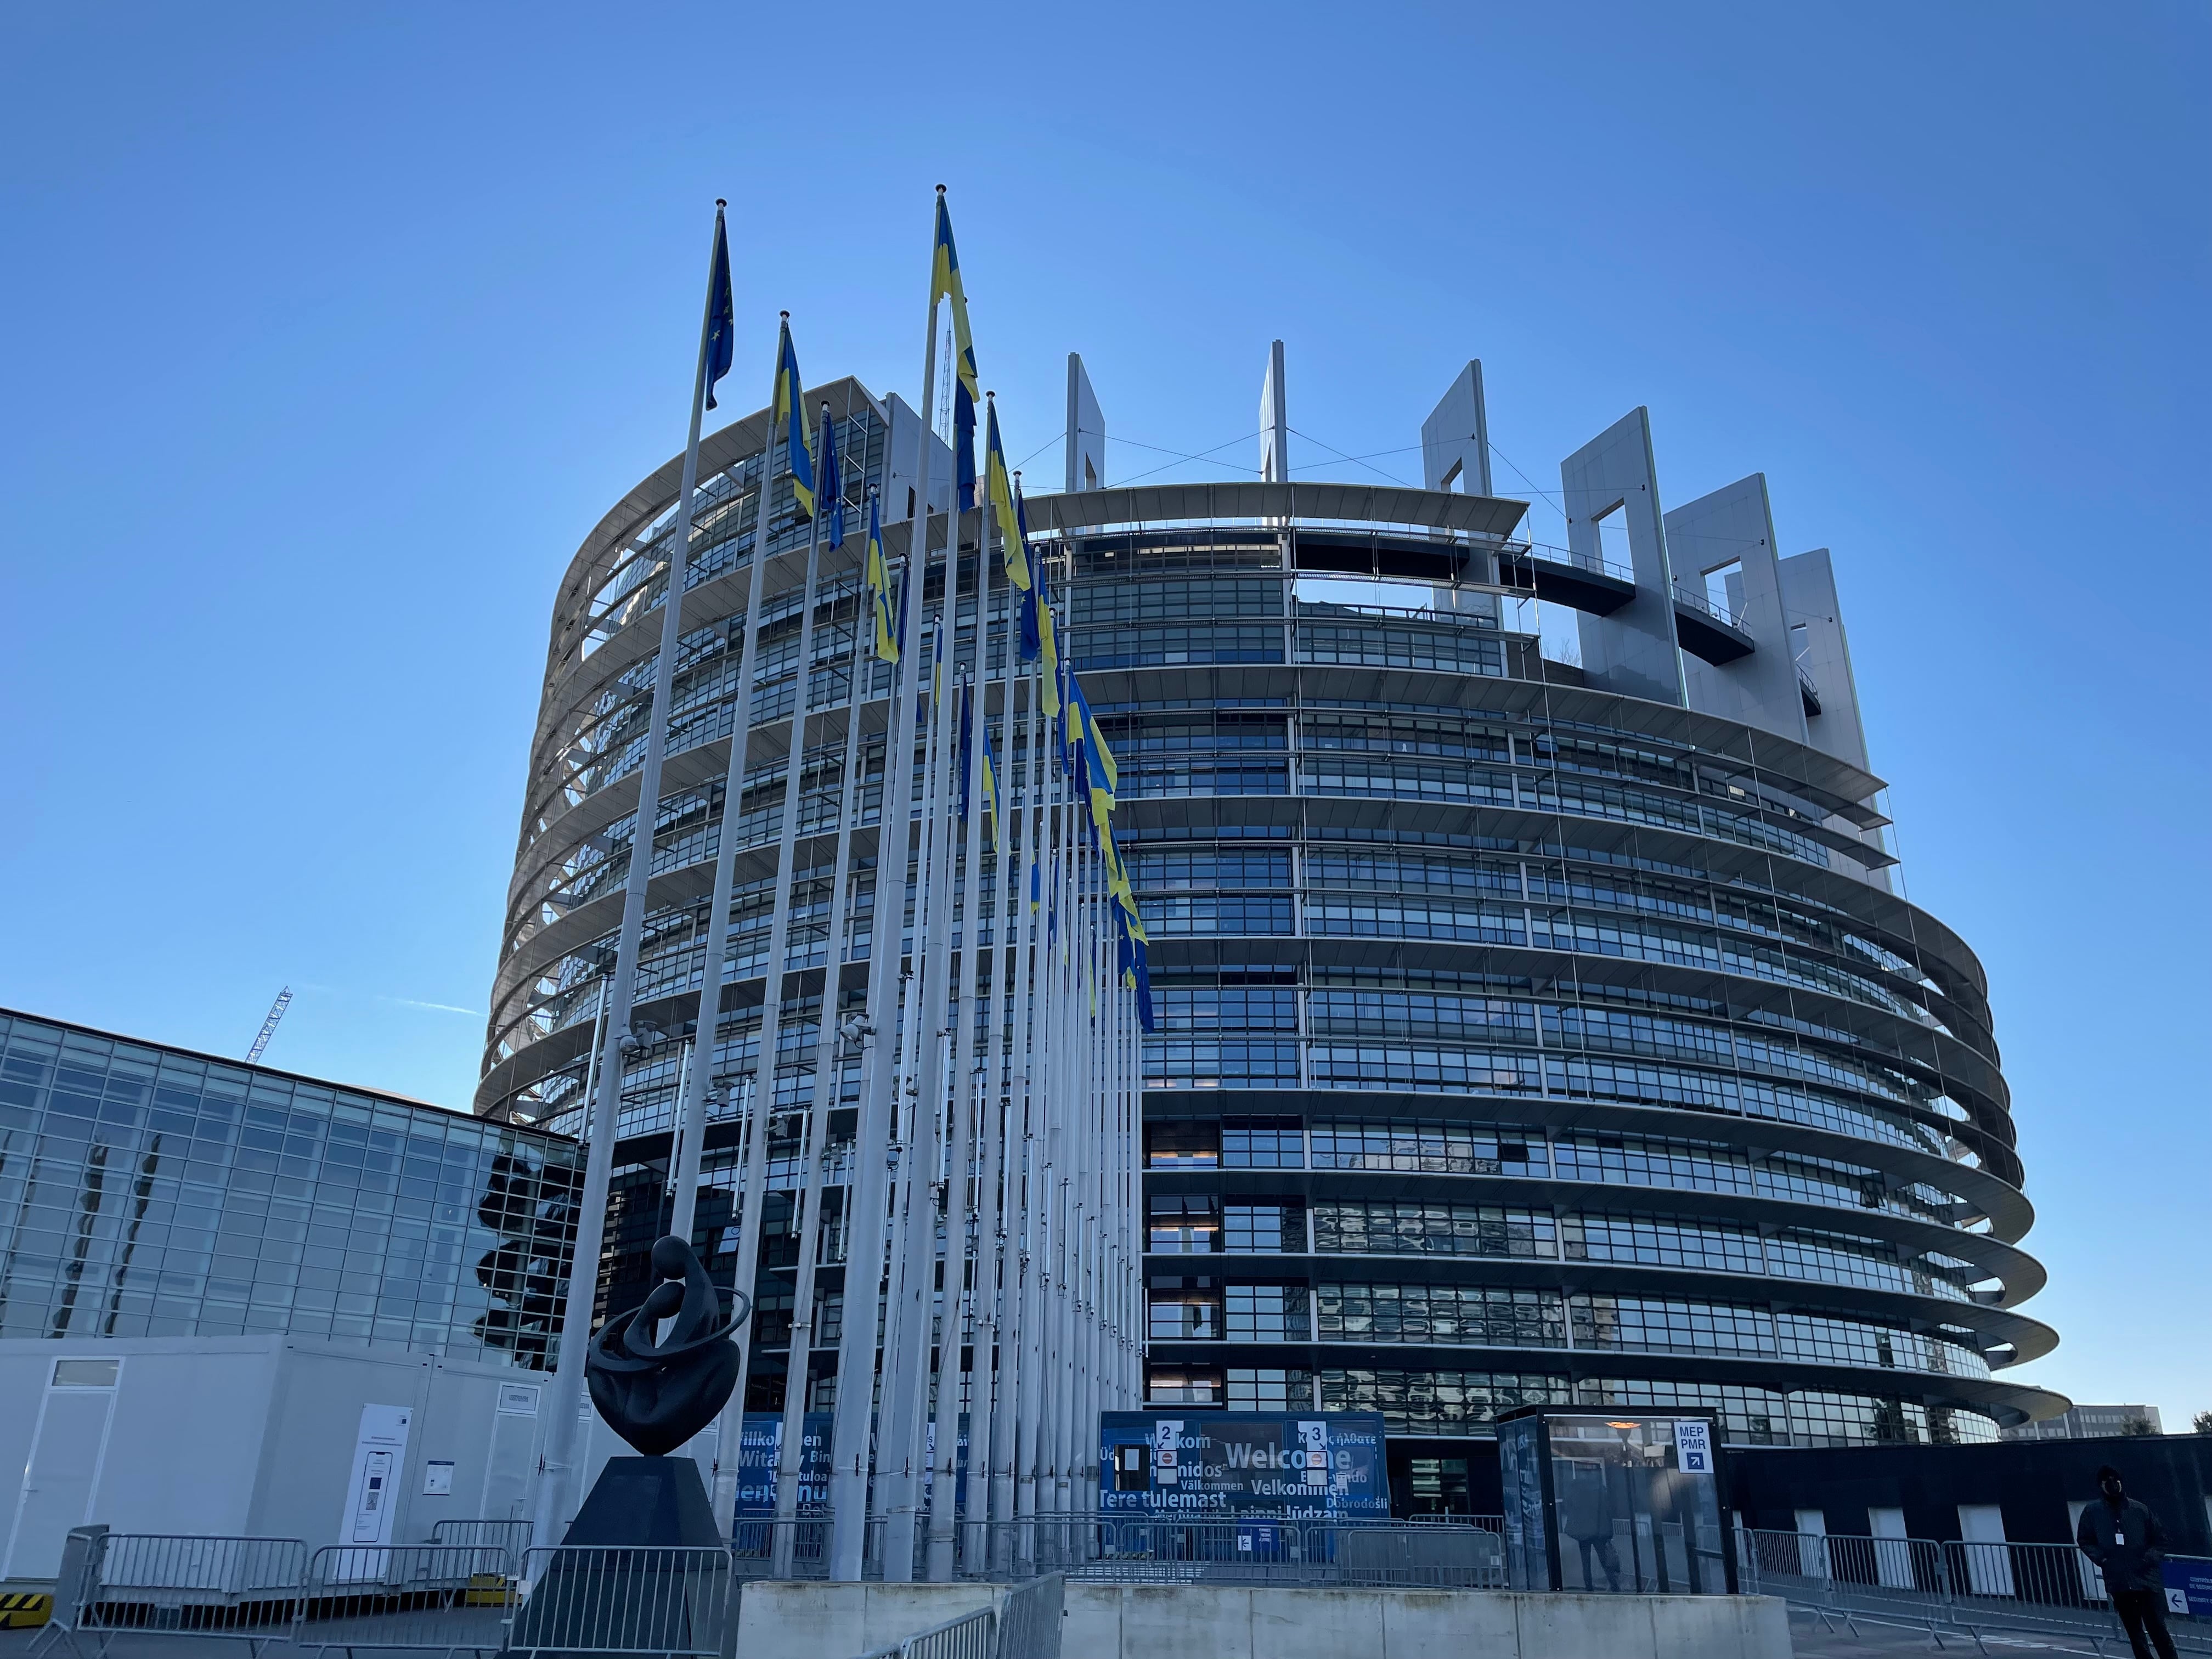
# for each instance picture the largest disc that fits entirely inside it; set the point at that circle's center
(331, 331)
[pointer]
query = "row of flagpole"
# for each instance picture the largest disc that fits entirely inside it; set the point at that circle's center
(991, 1216)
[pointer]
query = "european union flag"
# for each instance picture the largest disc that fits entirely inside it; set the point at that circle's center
(721, 313)
(832, 484)
(788, 420)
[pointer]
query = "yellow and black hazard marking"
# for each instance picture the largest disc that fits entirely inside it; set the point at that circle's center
(22, 1612)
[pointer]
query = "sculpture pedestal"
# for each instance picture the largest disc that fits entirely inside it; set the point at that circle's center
(653, 1501)
(643, 1569)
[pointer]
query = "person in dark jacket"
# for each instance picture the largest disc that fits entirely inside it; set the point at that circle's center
(2121, 1535)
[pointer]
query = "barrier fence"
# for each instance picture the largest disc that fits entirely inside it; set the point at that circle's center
(614, 1599)
(2043, 1589)
(972, 1636)
(424, 1597)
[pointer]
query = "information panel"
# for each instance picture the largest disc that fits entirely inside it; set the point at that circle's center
(1289, 1465)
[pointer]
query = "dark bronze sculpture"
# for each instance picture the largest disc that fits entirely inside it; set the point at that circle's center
(657, 1396)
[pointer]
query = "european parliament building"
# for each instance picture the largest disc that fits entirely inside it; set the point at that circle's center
(1529, 1031)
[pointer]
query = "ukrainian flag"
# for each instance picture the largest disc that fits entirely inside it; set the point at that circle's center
(880, 585)
(1039, 635)
(1001, 488)
(990, 788)
(787, 418)
(1136, 969)
(944, 284)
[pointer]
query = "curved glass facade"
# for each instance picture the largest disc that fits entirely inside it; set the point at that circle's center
(1518, 1042)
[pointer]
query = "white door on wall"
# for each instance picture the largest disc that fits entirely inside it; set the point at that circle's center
(1892, 1556)
(1982, 1541)
(510, 1460)
(63, 1472)
(1812, 1543)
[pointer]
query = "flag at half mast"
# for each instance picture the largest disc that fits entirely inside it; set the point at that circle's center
(787, 420)
(1040, 637)
(833, 483)
(880, 585)
(1001, 491)
(944, 284)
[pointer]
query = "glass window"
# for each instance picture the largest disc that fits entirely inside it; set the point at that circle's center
(1266, 1390)
(85, 1373)
(1266, 1313)
(1263, 1143)
(1184, 1224)
(1266, 1226)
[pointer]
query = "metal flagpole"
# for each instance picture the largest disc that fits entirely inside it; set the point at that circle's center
(857, 1356)
(960, 1158)
(1017, 1437)
(752, 1220)
(931, 1186)
(556, 1488)
(828, 1050)
(707, 1027)
(911, 1266)
(990, 1499)
(1036, 1018)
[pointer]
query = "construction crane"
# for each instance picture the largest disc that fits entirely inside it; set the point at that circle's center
(269, 1025)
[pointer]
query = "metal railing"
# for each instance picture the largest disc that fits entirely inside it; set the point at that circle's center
(243, 1589)
(442, 1598)
(614, 1599)
(1029, 1619)
(513, 1536)
(1367, 1554)
(1710, 606)
(972, 1636)
(2045, 1589)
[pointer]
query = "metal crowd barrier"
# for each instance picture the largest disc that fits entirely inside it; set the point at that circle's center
(972, 1636)
(615, 1599)
(421, 1597)
(2038, 1589)
(513, 1536)
(236, 1589)
(1029, 1619)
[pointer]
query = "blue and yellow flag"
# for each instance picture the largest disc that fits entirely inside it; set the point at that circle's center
(1036, 885)
(879, 585)
(1070, 723)
(990, 788)
(967, 747)
(1136, 970)
(788, 420)
(721, 313)
(1001, 488)
(833, 483)
(1040, 634)
(944, 284)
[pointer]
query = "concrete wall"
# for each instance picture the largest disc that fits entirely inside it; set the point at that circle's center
(1190, 1622)
(1184, 1622)
(810, 1621)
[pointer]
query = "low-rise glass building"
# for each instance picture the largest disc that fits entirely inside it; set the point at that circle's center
(147, 1190)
